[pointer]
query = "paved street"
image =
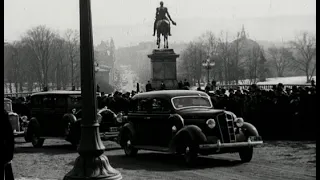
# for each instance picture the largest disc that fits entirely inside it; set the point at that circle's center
(274, 160)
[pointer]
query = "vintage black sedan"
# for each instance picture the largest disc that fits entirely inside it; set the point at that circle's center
(57, 114)
(184, 122)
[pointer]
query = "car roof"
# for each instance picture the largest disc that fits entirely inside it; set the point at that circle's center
(62, 92)
(7, 100)
(169, 94)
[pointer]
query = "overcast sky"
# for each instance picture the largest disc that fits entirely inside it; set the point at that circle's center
(20, 15)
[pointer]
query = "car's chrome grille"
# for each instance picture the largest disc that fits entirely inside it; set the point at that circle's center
(226, 124)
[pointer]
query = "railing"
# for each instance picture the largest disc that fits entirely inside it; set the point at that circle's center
(262, 86)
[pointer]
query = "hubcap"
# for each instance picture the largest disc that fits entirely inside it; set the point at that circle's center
(35, 139)
(127, 148)
(187, 150)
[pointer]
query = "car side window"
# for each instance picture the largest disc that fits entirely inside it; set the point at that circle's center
(48, 102)
(74, 101)
(60, 101)
(160, 105)
(144, 105)
(36, 101)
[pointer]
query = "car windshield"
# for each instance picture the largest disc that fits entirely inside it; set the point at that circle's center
(191, 101)
(75, 100)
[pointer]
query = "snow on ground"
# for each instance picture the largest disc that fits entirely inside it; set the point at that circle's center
(296, 80)
(287, 80)
(299, 80)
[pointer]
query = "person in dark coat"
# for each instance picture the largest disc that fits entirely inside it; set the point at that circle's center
(186, 84)
(98, 88)
(180, 85)
(148, 87)
(8, 146)
(207, 88)
(313, 83)
(213, 85)
(162, 86)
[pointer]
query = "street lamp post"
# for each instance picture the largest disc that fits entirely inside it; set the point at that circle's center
(208, 64)
(92, 163)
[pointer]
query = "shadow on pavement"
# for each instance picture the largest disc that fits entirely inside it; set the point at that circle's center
(54, 149)
(47, 149)
(165, 162)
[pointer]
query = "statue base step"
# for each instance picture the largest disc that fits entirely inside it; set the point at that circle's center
(169, 83)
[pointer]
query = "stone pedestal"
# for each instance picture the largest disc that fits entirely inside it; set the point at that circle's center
(164, 68)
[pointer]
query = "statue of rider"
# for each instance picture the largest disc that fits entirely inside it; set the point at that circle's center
(161, 13)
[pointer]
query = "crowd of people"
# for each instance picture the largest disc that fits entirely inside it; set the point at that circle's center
(279, 113)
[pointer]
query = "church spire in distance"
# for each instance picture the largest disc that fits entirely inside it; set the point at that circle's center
(243, 32)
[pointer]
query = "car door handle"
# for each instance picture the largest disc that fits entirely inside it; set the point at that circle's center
(146, 118)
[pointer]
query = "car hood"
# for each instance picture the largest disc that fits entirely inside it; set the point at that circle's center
(199, 112)
(12, 114)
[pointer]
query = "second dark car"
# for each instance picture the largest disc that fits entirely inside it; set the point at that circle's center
(57, 114)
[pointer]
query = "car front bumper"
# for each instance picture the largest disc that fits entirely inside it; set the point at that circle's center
(252, 141)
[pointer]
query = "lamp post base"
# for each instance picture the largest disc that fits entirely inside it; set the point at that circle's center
(90, 167)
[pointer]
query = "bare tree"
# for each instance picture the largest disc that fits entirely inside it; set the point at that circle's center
(40, 40)
(211, 45)
(73, 51)
(191, 61)
(237, 54)
(59, 70)
(305, 61)
(281, 58)
(253, 63)
(15, 65)
(12, 66)
(225, 56)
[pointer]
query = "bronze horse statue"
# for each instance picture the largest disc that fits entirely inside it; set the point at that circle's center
(163, 29)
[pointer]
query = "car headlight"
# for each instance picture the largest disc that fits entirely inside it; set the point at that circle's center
(24, 118)
(99, 118)
(119, 117)
(239, 122)
(211, 123)
(174, 129)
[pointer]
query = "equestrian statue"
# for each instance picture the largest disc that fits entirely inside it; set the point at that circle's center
(162, 25)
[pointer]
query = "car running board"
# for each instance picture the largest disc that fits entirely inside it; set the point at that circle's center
(153, 148)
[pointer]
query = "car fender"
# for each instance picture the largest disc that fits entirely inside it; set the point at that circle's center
(192, 132)
(249, 129)
(127, 127)
(75, 131)
(69, 117)
(177, 120)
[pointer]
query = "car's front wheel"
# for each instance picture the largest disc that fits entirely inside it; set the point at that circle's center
(129, 150)
(246, 154)
(189, 151)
